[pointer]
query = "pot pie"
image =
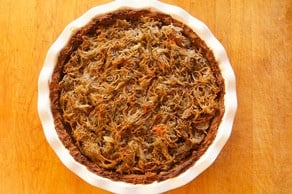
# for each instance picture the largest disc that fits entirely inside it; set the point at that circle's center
(136, 96)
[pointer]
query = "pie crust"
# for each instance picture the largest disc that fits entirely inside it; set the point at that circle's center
(136, 96)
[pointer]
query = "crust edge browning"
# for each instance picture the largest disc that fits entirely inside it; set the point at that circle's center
(63, 130)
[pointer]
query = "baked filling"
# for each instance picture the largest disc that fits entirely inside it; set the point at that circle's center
(136, 96)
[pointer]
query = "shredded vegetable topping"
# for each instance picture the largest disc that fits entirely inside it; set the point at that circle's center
(138, 96)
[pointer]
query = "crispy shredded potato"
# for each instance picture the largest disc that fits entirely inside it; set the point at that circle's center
(138, 96)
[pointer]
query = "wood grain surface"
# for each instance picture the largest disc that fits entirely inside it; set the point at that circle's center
(257, 37)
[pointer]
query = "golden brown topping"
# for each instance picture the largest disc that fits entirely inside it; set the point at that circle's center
(138, 96)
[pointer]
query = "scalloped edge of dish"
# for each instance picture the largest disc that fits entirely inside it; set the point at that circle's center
(224, 130)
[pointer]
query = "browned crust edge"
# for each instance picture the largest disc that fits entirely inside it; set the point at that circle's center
(61, 128)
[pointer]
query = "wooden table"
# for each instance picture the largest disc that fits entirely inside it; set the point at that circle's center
(257, 37)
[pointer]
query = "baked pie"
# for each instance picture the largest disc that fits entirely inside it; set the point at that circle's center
(136, 96)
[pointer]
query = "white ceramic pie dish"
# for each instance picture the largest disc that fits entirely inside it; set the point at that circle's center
(224, 130)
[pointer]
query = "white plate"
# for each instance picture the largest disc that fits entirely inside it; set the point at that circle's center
(223, 133)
